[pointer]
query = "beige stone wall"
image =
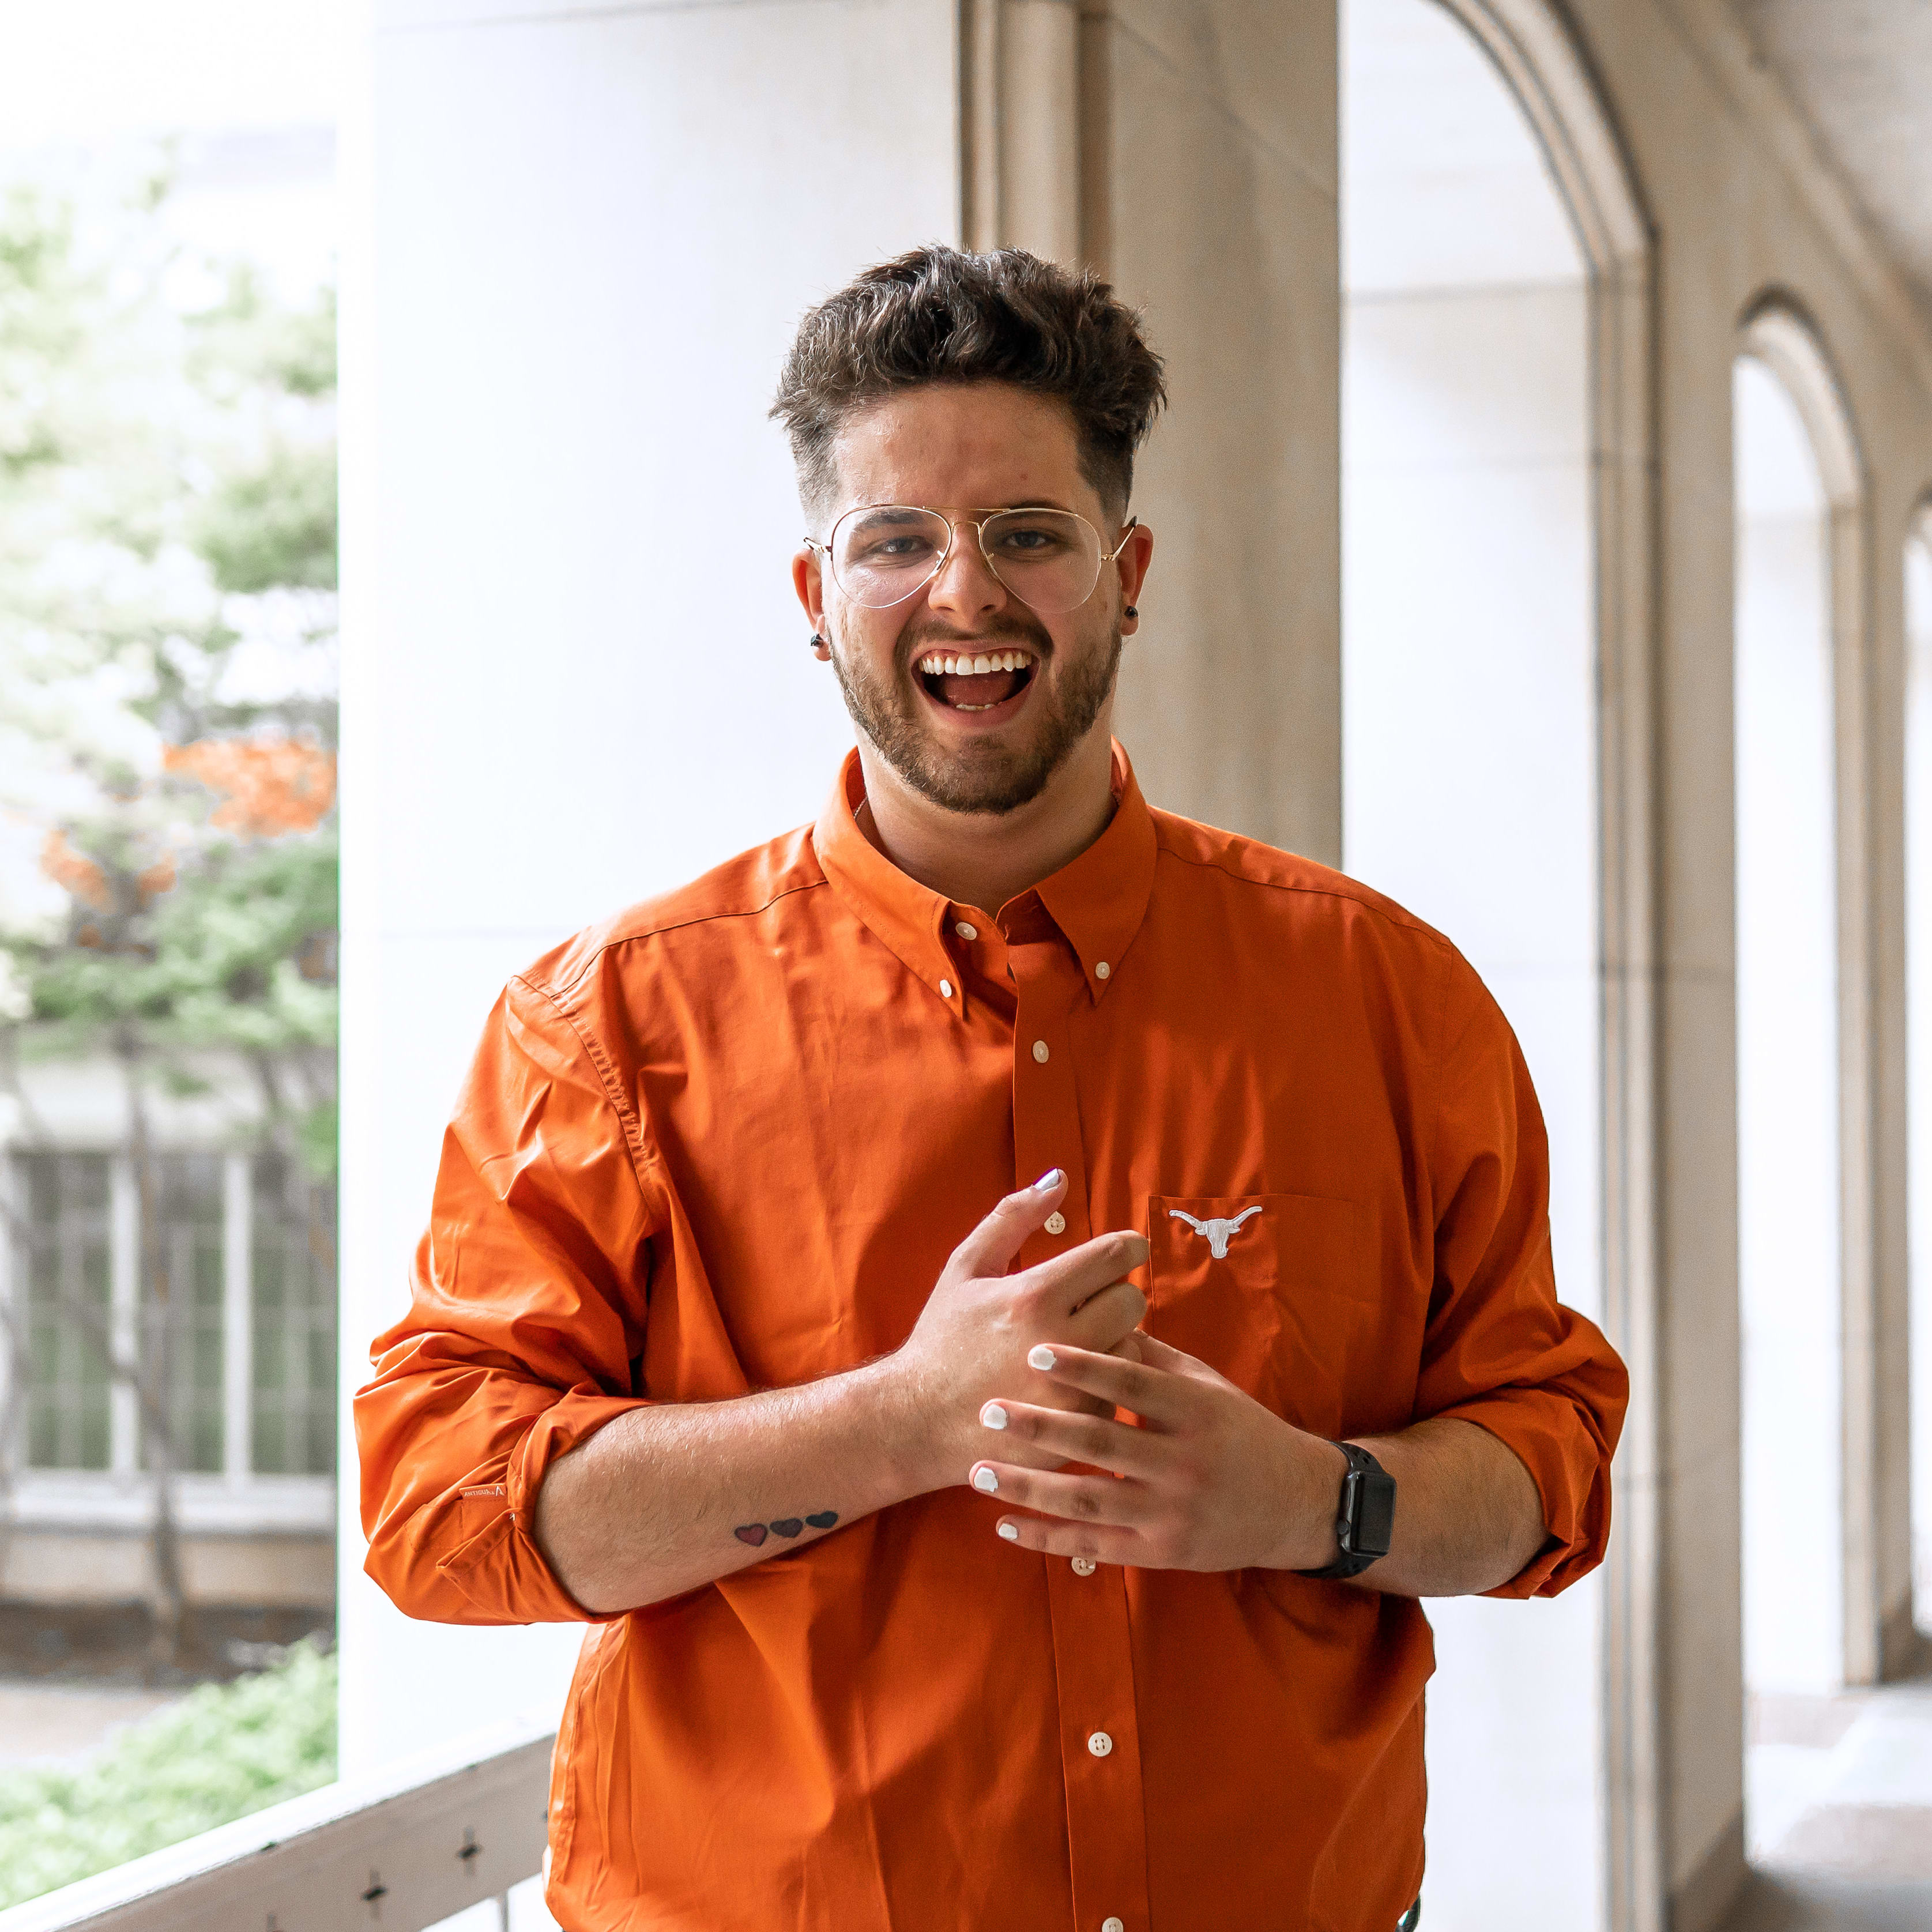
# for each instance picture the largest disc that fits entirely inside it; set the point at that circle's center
(1739, 210)
(1213, 206)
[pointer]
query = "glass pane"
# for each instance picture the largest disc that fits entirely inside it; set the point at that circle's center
(183, 1302)
(294, 1270)
(61, 1255)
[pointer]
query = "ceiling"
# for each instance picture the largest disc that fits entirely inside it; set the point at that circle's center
(1860, 71)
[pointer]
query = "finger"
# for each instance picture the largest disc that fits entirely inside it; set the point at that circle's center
(1103, 1320)
(1065, 1436)
(1068, 1279)
(1148, 1390)
(1084, 1499)
(1160, 1354)
(1097, 1543)
(990, 1248)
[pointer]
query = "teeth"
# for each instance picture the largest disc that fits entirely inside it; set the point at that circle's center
(941, 664)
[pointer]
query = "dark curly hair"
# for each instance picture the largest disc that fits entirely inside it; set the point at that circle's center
(940, 315)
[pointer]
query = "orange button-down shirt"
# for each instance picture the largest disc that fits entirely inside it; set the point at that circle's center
(727, 1142)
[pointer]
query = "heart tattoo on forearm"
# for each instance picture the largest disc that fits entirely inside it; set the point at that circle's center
(788, 1526)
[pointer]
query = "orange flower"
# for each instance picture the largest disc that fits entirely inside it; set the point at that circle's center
(76, 872)
(274, 788)
(83, 877)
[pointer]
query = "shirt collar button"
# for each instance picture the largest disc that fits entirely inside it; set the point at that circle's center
(966, 931)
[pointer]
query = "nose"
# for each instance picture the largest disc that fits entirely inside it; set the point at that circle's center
(966, 589)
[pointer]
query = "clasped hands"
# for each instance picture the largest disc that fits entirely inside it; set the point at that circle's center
(1204, 1478)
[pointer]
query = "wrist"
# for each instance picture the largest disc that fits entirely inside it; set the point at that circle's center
(1309, 1542)
(909, 1452)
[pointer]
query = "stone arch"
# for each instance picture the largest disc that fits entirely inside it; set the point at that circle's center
(1548, 72)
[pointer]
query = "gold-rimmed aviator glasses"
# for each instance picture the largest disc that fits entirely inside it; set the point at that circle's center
(880, 554)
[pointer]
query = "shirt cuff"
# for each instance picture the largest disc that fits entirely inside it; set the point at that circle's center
(1570, 1468)
(500, 1567)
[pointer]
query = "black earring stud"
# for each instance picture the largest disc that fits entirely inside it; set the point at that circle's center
(1131, 611)
(818, 644)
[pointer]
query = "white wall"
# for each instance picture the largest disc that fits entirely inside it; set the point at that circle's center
(1788, 1211)
(579, 240)
(1919, 942)
(1469, 792)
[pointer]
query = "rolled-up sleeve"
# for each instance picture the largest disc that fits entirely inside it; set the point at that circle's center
(525, 1320)
(1501, 1351)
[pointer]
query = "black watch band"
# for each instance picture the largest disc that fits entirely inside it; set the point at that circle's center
(1365, 1517)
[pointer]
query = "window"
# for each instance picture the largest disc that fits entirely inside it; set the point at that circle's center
(238, 1310)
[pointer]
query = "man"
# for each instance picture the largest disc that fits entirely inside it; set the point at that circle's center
(910, 1289)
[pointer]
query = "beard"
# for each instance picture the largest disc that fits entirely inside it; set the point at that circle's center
(988, 776)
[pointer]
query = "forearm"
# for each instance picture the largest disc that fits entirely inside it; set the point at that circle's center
(1467, 1515)
(654, 1503)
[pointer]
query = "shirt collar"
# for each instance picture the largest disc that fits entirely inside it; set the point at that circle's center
(1098, 900)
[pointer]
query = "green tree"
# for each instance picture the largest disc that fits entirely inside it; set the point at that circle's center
(167, 705)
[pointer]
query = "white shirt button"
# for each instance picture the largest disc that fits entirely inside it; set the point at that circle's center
(945, 989)
(1113, 1925)
(1084, 1566)
(966, 931)
(1056, 1222)
(1102, 969)
(1039, 1051)
(1099, 1744)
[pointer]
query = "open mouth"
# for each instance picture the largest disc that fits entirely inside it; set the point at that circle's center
(976, 681)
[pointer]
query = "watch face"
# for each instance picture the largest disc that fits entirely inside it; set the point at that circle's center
(1375, 1513)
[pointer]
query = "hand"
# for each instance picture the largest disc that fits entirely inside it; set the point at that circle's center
(1209, 1480)
(972, 1336)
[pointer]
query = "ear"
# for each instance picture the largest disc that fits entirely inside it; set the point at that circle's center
(1136, 554)
(808, 583)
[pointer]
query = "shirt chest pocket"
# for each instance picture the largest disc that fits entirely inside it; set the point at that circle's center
(1269, 1289)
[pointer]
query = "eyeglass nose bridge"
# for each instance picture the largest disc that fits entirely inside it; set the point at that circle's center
(977, 525)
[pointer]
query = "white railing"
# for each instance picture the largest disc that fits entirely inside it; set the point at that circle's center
(400, 1850)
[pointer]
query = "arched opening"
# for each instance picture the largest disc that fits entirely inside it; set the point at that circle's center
(1787, 1053)
(1804, 1230)
(1492, 470)
(1918, 1034)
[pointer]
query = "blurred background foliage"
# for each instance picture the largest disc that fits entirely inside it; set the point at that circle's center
(168, 714)
(224, 1751)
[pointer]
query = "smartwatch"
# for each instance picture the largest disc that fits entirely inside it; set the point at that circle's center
(1365, 1516)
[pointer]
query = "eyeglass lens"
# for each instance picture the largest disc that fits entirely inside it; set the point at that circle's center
(882, 553)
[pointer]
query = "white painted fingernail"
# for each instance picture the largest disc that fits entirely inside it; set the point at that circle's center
(1040, 1357)
(993, 1416)
(1047, 1181)
(1010, 1531)
(985, 1482)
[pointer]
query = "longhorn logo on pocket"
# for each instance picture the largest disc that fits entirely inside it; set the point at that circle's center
(1217, 1232)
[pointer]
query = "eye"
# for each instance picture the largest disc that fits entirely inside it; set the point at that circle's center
(1031, 540)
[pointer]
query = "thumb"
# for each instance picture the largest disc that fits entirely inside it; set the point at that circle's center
(990, 1248)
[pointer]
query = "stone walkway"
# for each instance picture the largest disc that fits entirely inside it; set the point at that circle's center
(1840, 1812)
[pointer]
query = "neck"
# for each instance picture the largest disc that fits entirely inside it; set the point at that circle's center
(984, 859)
